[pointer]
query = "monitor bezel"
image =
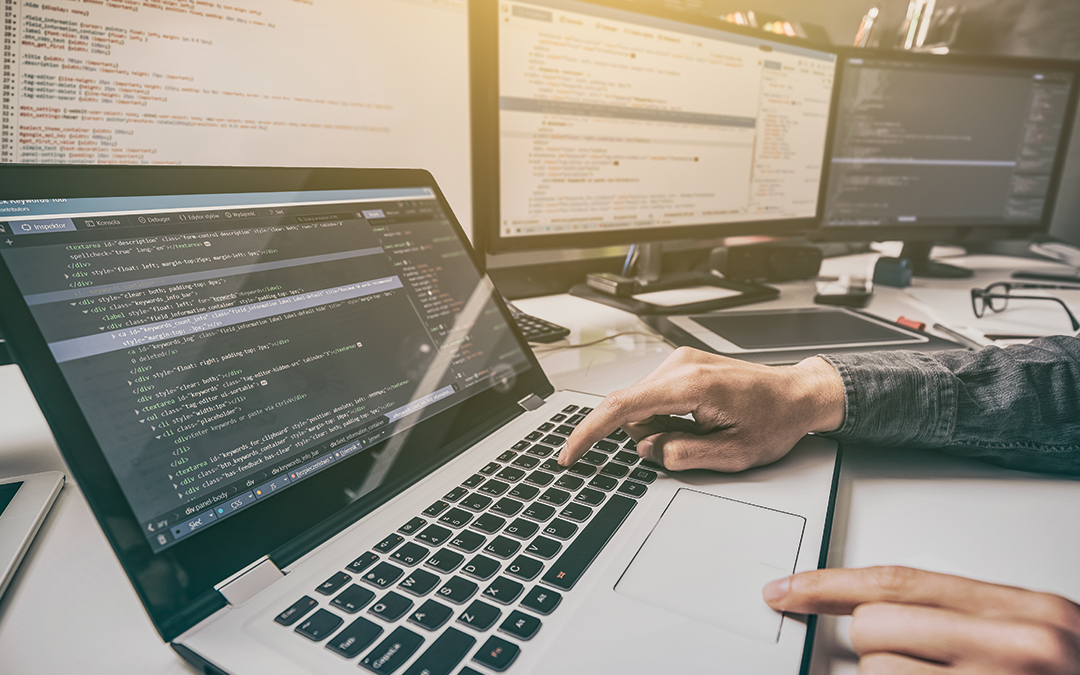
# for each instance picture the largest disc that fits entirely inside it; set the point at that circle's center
(484, 84)
(176, 585)
(947, 233)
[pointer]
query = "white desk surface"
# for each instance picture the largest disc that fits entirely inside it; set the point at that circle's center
(71, 609)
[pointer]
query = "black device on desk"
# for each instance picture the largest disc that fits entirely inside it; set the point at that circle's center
(946, 149)
(535, 329)
(641, 155)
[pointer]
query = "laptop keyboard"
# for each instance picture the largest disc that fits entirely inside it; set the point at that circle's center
(489, 561)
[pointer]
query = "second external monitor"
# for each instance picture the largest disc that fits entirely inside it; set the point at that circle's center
(594, 125)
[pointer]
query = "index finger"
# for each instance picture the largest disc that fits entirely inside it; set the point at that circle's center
(840, 591)
(634, 404)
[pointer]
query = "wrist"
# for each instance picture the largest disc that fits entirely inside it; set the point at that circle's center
(821, 392)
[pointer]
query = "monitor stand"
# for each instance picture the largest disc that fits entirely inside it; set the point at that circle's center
(720, 292)
(922, 266)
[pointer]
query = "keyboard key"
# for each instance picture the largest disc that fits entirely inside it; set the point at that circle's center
(520, 445)
(479, 615)
(575, 419)
(391, 606)
(445, 561)
(568, 482)
(606, 483)
(353, 599)
(319, 625)
(389, 543)
(552, 466)
(456, 518)
(494, 487)
(585, 411)
(577, 557)
(540, 478)
(510, 473)
(564, 429)
(520, 625)
(476, 502)
(578, 512)
(362, 563)
(506, 456)
(443, 655)
(614, 470)
(625, 457)
(524, 492)
(525, 568)
(296, 610)
(434, 535)
(533, 436)
(467, 541)
(507, 507)
(649, 464)
(497, 654)
(503, 590)
(570, 409)
(410, 554)
(355, 638)
(502, 547)
(631, 445)
(383, 575)
(521, 528)
(631, 488)
(555, 497)
(458, 590)
(420, 582)
(413, 525)
(594, 457)
(541, 600)
(474, 480)
(489, 522)
(560, 529)
(605, 446)
(554, 440)
(590, 497)
(558, 417)
(436, 508)
(643, 475)
(431, 615)
(331, 585)
(546, 426)
(456, 494)
(481, 567)
(542, 547)
(490, 468)
(526, 462)
(540, 512)
(391, 653)
(618, 436)
(540, 450)
(582, 469)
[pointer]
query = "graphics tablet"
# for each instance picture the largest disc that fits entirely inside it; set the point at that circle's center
(24, 502)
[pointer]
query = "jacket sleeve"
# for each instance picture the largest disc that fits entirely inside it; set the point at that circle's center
(1018, 406)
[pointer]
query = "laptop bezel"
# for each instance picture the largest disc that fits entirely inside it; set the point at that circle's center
(176, 585)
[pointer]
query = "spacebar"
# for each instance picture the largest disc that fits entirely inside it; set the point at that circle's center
(579, 555)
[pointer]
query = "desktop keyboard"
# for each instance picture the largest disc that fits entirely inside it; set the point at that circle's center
(534, 328)
(466, 567)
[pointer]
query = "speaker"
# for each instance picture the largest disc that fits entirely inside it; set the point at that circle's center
(767, 262)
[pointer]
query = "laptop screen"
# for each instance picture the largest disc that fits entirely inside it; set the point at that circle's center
(226, 347)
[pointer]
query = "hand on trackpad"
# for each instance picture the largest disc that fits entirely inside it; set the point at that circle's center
(709, 557)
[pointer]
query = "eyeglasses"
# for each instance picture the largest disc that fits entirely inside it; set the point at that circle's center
(996, 297)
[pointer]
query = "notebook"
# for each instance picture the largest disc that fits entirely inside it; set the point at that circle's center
(316, 442)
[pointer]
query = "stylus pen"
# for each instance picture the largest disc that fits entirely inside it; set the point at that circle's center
(962, 339)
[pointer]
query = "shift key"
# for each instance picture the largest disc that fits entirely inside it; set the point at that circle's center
(393, 651)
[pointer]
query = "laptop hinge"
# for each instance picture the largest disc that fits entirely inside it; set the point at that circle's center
(531, 402)
(250, 581)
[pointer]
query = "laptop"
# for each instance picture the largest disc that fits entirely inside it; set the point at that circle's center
(316, 442)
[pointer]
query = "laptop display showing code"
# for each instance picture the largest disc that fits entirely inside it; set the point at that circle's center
(223, 347)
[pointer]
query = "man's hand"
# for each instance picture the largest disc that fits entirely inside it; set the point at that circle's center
(912, 622)
(744, 414)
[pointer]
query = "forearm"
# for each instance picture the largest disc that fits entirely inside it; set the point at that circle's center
(1018, 406)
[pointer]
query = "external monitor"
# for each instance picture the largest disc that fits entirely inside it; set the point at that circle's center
(594, 126)
(946, 149)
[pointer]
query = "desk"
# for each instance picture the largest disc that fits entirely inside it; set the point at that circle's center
(71, 609)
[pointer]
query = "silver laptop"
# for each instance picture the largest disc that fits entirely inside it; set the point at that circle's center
(316, 441)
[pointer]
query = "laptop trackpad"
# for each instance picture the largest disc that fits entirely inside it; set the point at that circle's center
(708, 559)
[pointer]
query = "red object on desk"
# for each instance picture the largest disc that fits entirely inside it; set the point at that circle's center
(911, 323)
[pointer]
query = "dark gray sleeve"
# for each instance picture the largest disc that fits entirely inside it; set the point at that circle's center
(1018, 406)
